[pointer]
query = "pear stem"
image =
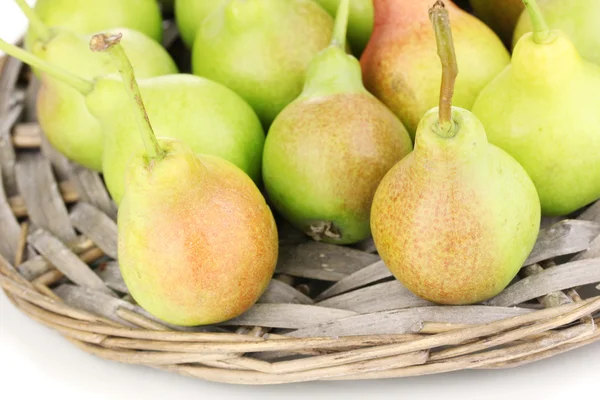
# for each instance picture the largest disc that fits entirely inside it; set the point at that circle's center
(541, 31)
(82, 85)
(445, 46)
(36, 23)
(341, 25)
(111, 45)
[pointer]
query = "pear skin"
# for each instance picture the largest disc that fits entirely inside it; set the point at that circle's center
(400, 65)
(190, 14)
(326, 152)
(578, 19)
(261, 48)
(62, 112)
(89, 16)
(360, 22)
(197, 242)
(209, 118)
(544, 111)
(455, 220)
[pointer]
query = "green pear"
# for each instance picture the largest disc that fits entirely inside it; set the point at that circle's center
(544, 111)
(197, 242)
(208, 117)
(578, 19)
(327, 151)
(500, 15)
(261, 48)
(62, 113)
(89, 16)
(189, 15)
(400, 65)
(360, 21)
(454, 220)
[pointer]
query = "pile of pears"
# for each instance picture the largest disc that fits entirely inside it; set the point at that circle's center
(442, 133)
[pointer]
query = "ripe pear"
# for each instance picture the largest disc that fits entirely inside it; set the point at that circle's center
(197, 242)
(500, 15)
(400, 62)
(90, 16)
(544, 111)
(327, 151)
(189, 15)
(261, 48)
(454, 220)
(578, 19)
(62, 113)
(360, 21)
(209, 117)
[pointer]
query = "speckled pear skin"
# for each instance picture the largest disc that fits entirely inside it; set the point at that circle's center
(89, 16)
(401, 66)
(197, 242)
(455, 220)
(326, 152)
(62, 112)
(261, 48)
(577, 19)
(205, 115)
(190, 14)
(544, 111)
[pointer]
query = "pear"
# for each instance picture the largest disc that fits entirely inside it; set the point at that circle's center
(500, 15)
(327, 151)
(360, 21)
(89, 16)
(61, 110)
(578, 19)
(197, 242)
(543, 110)
(400, 62)
(189, 15)
(454, 220)
(261, 48)
(209, 117)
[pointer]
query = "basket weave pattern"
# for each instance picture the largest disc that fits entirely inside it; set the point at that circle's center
(331, 313)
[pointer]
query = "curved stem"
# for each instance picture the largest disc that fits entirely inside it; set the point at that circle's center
(541, 31)
(111, 45)
(36, 23)
(82, 85)
(341, 25)
(445, 45)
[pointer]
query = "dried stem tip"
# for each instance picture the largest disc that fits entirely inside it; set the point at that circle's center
(102, 42)
(445, 45)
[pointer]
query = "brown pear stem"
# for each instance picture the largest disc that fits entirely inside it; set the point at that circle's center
(111, 45)
(445, 46)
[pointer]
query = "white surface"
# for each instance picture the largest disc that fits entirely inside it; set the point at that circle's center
(36, 362)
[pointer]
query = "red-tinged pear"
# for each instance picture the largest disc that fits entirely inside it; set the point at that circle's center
(455, 219)
(327, 151)
(400, 66)
(261, 48)
(543, 111)
(197, 242)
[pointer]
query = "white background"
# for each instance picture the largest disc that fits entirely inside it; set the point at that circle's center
(36, 362)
